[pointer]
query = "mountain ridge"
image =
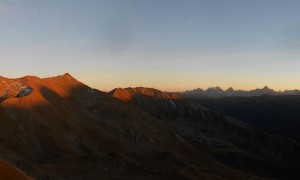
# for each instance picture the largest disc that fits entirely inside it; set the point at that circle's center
(128, 94)
(219, 92)
(65, 129)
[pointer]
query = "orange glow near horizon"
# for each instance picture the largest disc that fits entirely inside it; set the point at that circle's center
(180, 82)
(181, 85)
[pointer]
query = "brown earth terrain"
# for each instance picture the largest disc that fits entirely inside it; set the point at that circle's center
(10, 172)
(59, 128)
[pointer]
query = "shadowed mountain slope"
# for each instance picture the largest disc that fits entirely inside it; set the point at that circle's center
(232, 142)
(59, 128)
(9, 172)
(63, 129)
(274, 114)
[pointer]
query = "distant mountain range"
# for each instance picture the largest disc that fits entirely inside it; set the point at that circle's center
(218, 92)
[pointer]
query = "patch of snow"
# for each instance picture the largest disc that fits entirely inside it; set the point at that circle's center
(25, 92)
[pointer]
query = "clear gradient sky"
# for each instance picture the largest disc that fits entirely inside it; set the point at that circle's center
(171, 45)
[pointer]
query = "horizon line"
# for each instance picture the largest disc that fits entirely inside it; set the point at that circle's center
(161, 89)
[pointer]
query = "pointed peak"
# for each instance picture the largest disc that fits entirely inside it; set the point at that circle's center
(266, 88)
(65, 78)
(67, 75)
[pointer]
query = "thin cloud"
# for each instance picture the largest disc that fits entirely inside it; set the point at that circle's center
(4, 9)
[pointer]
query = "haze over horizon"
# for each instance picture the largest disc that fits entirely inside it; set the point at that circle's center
(170, 45)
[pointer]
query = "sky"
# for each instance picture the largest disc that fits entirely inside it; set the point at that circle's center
(172, 45)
